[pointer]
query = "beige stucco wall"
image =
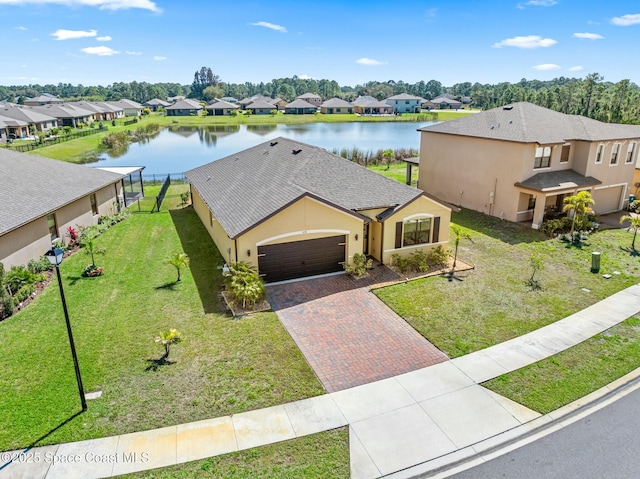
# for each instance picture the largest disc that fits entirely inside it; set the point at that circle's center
(225, 245)
(32, 240)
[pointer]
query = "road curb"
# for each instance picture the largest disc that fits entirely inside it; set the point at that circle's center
(483, 451)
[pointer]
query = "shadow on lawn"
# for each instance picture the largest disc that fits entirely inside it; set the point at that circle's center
(156, 364)
(632, 252)
(37, 441)
(503, 230)
(204, 257)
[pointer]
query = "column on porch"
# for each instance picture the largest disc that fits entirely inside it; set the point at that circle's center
(538, 212)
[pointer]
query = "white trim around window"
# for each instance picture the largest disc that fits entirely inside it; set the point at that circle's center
(631, 150)
(615, 154)
(599, 153)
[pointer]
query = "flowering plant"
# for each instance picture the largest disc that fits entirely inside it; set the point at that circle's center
(92, 271)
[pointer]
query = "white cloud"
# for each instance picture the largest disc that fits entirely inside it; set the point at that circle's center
(369, 62)
(537, 3)
(528, 41)
(133, 53)
(305, 77)
(21, 28)
(626, 20)
(73, 34)
(106, 38)
(159, 58)
(272, 26)
(547, 66)
(577, 68)
(588, 36)
(100, 51)
(101, 4)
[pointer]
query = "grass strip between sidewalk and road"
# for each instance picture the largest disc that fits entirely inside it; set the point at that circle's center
(580, 370)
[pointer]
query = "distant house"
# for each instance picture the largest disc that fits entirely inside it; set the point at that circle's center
(279, 103)
(155, 104)
(312, 98)
(405, 103)
(41, 197)
(67, 115)
(518, 162)
(221, 108)
(336, 105)
(300, 107)
(39, 121)
(316, 211)
(260, 107)
(186, 107)
(100, 111)
(245, 102)
(10, 128)
(116, 111)
(130, 107)
(43, 100)
(367, 105)
(442, 103)
(229, 99)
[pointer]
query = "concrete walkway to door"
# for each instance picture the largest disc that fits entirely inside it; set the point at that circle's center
(348, 336)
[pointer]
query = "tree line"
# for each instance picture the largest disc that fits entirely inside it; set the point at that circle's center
(591, 96)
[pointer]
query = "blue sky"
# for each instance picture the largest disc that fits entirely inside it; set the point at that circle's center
(99, 42)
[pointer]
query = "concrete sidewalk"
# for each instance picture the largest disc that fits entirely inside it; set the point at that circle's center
(420, 420)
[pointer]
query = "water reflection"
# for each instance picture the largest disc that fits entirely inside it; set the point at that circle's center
(262, 130)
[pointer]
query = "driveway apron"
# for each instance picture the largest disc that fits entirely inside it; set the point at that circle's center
(348, 336)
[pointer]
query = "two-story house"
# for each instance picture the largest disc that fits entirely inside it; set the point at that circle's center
(518, 161)
(405, 103)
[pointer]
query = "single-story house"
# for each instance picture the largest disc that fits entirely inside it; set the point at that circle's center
(300, 107)
(221, 107)
(520, 161)
(315, 100)
(130, 107)
(67, 114)
(155, 104)
(44, 99)
(405, 103)
(260, 107)
(245, 102)
(279, 103)
(10, 129)
(442, 103)
(229, 99)
(294, 210)
(186, 107)
(366, 105)
(336, 105)
(41, 198)
(35, 119)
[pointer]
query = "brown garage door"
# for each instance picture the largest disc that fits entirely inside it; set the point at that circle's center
(297, 259)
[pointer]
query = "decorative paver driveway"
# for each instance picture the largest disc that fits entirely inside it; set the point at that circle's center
(347, 334)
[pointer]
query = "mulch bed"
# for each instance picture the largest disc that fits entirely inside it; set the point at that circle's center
(237, 309)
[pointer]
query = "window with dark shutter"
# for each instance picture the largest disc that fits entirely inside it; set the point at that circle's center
(436, 229)
(399, 234)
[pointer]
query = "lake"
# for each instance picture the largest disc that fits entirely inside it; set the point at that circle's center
(178, 149)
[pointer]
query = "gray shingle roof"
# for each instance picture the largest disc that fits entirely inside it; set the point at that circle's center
(405, 96)
(308, 95)
(244, 189)
(556, 180)
(187, 104)
(62, 111)
(126, 104)
(528, 123)
(363, 100)
(336, 103)
(222, 104)
(299, 103)
(34, 186)
(26, 114)
(5, 121)
(156, 102)
(260, 105)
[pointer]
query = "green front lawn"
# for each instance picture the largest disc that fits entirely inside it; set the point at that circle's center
(223, 366)
(491, 303)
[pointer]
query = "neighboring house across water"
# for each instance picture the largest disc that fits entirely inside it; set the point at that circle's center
(67, 114)
(260, 107)
(315, 100)
(367, 105)
(442, 103)
(336, 105)
(300, 107)
(186, 107)
(41, 197)
(405, 103)
(155, 104)
(295, 210)
(519, 161)
(130, 107)
(221, 108)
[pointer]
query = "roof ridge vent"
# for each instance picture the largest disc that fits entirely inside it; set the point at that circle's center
(507, 107)
(273, 143)
(295, 152)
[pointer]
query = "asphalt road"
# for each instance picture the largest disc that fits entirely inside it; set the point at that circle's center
(604, 445)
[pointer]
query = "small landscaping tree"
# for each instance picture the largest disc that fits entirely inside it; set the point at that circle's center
(168, 338)
(178, 261)
(92, 249)
(580, 205)
(634, 224)
(458, 235)
(536, 261)
(244, 283)
(388, 156)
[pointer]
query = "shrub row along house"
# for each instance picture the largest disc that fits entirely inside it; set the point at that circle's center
(40, 198)
(520, 161)
(296, 210)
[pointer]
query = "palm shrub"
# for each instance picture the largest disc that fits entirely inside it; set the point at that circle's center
(244, 283)
(634, 224)
(580, 205)
(178, 261)
(168, 338)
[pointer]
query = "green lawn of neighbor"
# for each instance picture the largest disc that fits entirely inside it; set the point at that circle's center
(396, 171)
(553, 382)
(223, 366)
(491, 303)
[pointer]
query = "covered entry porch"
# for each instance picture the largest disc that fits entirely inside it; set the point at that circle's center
(544, 193)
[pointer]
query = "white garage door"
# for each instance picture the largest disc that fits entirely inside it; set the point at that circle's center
(607, 199)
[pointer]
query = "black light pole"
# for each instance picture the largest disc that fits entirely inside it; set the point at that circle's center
(55, 258)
